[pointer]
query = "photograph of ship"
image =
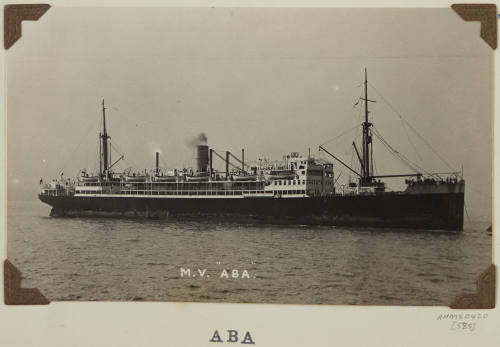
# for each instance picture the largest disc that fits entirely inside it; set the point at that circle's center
(299, 190)
(325, 156)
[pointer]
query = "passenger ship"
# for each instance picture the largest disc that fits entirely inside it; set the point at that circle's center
(299, 190)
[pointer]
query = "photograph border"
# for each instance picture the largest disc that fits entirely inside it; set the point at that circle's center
(484, 298)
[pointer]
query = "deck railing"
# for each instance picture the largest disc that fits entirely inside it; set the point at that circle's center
(177, 192)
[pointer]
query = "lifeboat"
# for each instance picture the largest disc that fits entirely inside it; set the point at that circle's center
(89, 178)
(165, 178)
(137, 178)
(197, 178)
(240, 178)
(280, 175)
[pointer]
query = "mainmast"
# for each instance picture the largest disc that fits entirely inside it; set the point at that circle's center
(366, 174)
(104, 142)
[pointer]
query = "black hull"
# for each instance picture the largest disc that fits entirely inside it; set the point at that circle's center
(413, 211)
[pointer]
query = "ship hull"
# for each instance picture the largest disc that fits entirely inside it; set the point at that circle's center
(411, 211)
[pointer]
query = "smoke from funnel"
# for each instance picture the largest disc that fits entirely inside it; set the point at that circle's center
(200, 139)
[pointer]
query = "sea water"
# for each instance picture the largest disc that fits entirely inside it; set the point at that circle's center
(207, 261)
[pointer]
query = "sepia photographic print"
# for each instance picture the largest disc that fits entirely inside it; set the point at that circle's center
(326, 156)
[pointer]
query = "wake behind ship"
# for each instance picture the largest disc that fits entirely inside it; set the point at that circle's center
(297, 190)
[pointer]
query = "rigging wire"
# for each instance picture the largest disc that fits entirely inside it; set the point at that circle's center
(410, 126)
(351, 129)
(119, 151)
(403, 159)
(404, 127)
(71, 156)
(352, 157)
(223, 159)
(359, 113)
(113, 147)
(342, 134)
(413, 166)
(410, 141)
(236, 158)
(96, 162)
(338, 177)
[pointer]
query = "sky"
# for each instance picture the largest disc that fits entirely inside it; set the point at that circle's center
(270, 80)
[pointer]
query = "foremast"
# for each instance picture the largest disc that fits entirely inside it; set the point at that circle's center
(104, 163)
(366, 161)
